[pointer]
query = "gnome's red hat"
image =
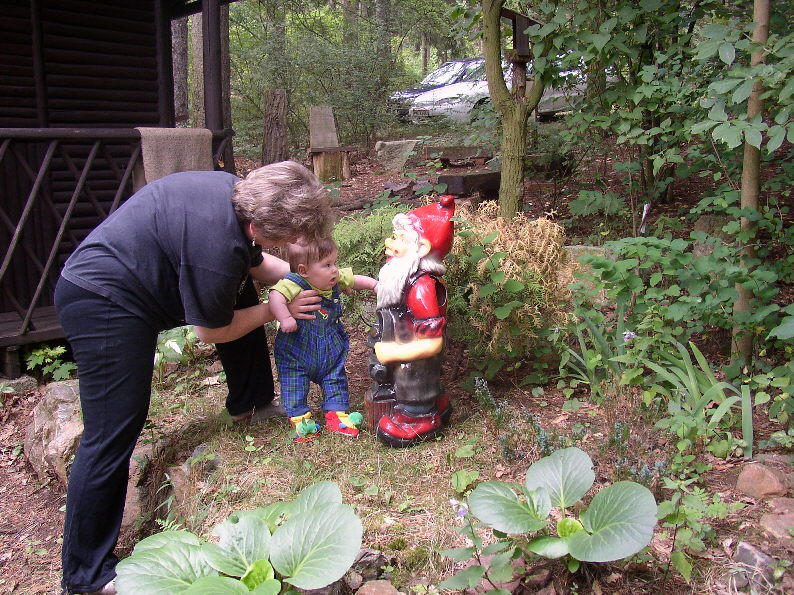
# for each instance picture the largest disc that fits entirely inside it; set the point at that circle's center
(433, 222)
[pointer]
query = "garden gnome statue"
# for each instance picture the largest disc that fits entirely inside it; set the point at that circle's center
(406, 401)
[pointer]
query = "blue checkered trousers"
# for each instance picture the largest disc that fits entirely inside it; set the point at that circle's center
(315, 352)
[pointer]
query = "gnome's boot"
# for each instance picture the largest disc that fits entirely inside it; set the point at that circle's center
(444, 409)
(400, 430)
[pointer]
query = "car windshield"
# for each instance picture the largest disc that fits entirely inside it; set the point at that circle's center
(444, 74)
(475, 71)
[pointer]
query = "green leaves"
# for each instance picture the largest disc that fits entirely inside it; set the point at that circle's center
(619, 523)
(566, 475)
(312, 549)
(497, 505)
(316, 547)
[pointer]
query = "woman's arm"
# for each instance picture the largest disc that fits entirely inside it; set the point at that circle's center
(270, 270)
(247, 319)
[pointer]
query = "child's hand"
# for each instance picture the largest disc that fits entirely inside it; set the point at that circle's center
(375, 289)
(288, 325)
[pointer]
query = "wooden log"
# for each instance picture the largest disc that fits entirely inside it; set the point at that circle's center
(468, 183)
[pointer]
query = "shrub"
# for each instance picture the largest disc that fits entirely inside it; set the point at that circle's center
(506, 284)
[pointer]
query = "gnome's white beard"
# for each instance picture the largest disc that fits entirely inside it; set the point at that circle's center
(392, 278)
(395, 274)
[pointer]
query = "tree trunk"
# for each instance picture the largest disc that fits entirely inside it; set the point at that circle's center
(513, 107)
(197, 73)
(180, 65)
(274, 131)
(424, 48)
(742, 344)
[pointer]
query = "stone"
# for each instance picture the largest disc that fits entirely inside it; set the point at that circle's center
(711, 225)
(369, 563)
(776, 458)
(21, 385)
(779, 525)
(759, 481)
(353, 580)
(754, 567)
(547, 590)
(394, 154)
(781, 505)
(54, 433)
(377, 588)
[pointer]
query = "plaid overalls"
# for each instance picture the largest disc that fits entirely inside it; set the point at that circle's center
(315, 352)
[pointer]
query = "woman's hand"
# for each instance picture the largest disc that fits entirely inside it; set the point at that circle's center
(305, 304)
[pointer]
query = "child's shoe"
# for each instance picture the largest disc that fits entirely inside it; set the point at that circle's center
(343, 423)
(306, 429)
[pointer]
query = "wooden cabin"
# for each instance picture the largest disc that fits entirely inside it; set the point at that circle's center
(77, 77)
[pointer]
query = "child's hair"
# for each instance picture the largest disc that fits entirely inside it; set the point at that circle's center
(307, 253)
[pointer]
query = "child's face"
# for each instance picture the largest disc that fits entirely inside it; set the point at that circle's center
(324, 273)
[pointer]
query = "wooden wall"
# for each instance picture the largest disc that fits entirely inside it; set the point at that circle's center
(72, 64)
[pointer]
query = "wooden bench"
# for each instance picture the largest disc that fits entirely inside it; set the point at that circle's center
(330, 162)
(485, 182)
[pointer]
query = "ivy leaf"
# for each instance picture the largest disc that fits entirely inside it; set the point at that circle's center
(777, 134)
(753, 137)
(724, 86)
(461, 554)
(498, 277)
(513, 286)
(681, 564)
(462, 479)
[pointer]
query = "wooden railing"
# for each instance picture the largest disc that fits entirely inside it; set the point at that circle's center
(56, 184)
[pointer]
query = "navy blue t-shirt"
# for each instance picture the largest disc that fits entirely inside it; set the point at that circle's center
(174, 253)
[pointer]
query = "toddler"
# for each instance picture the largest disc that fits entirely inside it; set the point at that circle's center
(315, 350)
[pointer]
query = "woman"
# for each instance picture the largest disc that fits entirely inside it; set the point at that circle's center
(182, 250)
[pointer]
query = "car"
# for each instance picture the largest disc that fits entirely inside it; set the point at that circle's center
(460, 101)
(446, 74)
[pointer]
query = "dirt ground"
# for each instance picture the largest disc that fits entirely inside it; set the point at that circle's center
(31, 510)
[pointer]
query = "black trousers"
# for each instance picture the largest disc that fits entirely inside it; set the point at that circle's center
(114, 352)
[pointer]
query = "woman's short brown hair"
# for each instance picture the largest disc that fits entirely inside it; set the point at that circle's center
(283, 200)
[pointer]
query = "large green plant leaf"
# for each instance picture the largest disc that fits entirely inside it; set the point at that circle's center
(620, 521)
(168, 569)
(158, 540)
(318, 494)
(244, 540)
(271, 513)
(565, 474)
(217, 585)
(315, 548)
(548, 547)
(497, 505)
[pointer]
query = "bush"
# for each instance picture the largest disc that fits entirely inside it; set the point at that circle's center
(506, 284)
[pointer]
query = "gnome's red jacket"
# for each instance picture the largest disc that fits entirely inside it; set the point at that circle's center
(426, 300)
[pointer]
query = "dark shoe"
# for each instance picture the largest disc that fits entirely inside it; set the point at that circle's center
(267, 412)
(242, 419)
(400, 430)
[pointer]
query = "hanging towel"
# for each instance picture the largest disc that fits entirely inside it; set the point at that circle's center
(166, 151)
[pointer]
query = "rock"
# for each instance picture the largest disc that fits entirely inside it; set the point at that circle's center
(759, 481)
(141, 457)
(181, 479)
(538, 579)
(547, 590)
(779, 525)
(369, 563)
(22, 385)
(776, 458)
(711, 225)
(204, 461)
(54, 434)
(394, 154)
(353, 580)
(377, 588)
(781, 505)
(756, 567)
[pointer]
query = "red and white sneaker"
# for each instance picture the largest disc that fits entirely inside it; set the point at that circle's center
(341, 422)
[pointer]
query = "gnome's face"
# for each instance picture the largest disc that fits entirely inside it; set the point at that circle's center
(405, 250)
